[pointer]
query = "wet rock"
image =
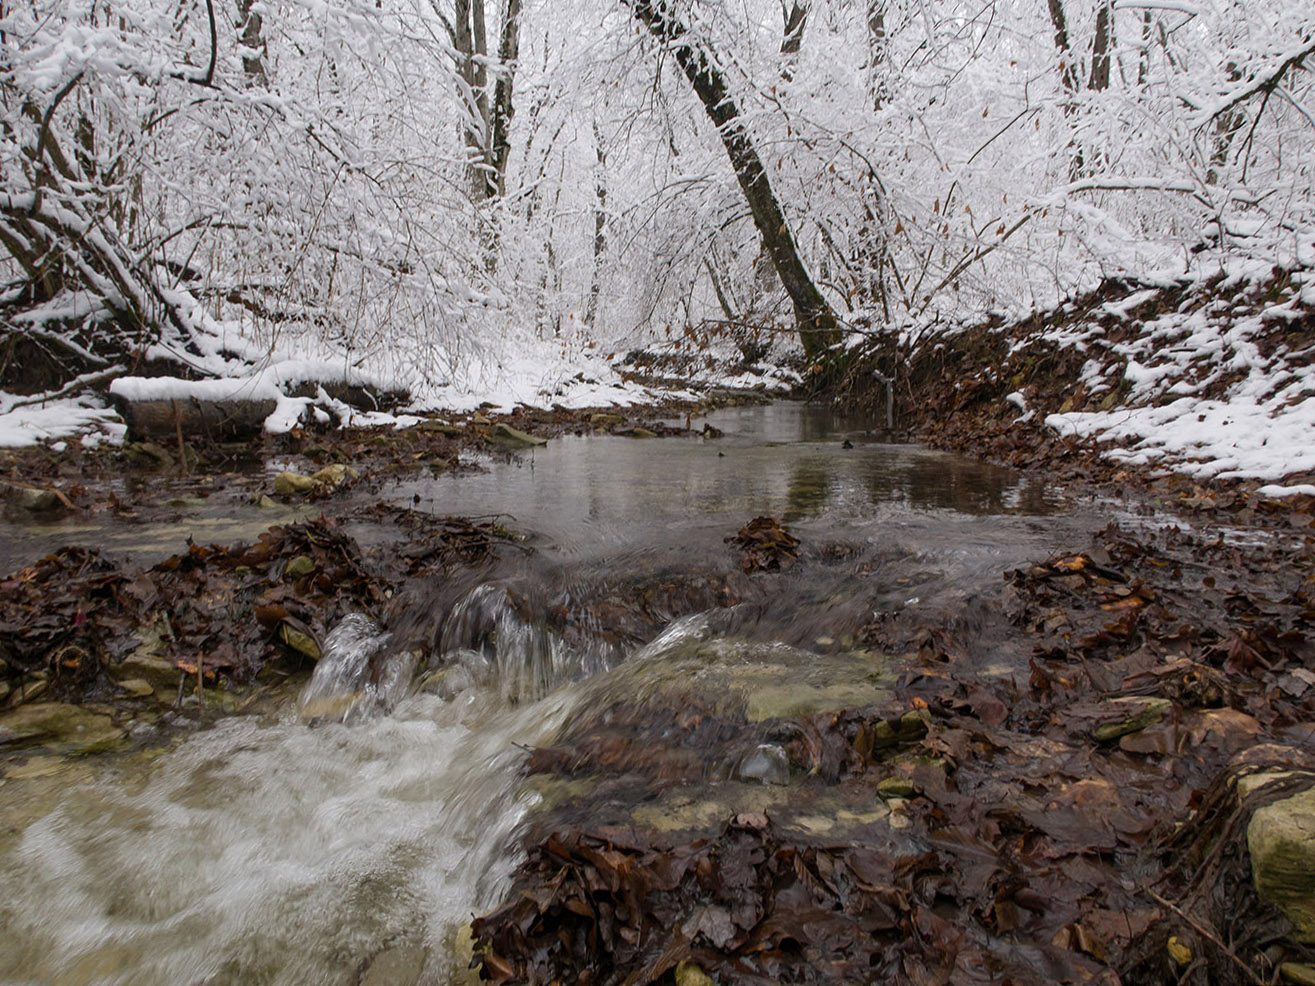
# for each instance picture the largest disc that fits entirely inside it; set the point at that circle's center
(299, 640)
(642, 433)
(505, 434)
(896, 787)
(772, 701)
(767, 764)
(1297, 973)
(333, 476)
(137, 687)
(263, 502)
(152, 452)
(877, 735)
(32, 498)
(397, 966)
(688, 974)
(148, 663)
(1281, 841)
(1140, 713)
(66, 729)
(289, 483)
(32, 687)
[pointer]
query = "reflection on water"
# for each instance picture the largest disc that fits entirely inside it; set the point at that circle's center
(785, 460)
(283, 853)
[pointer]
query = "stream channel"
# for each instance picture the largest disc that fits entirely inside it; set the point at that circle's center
(280, 848)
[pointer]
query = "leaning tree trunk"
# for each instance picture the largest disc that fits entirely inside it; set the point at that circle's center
(818, 329)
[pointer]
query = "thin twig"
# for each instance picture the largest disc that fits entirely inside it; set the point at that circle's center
(1205, 932)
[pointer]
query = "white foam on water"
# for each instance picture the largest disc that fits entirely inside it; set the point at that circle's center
(277, 854)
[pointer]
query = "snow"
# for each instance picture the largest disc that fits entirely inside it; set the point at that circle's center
(26, 426)
(1258, 427)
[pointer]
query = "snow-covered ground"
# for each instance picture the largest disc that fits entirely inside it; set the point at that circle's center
(1219, 384)
(531, 372)
(1223, 389)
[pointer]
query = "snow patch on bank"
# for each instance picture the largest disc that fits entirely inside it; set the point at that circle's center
(1213, 391)
(88, 417)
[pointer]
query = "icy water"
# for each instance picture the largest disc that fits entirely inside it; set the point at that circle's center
(348, 837)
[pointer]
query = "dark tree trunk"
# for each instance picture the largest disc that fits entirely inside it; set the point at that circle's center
(1101, 47)
(792, 37)
(816, 321)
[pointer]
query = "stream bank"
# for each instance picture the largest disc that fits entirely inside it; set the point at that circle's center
(922, 726)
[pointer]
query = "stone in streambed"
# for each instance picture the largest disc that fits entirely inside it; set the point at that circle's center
(333, 476)
(289, 483)
(299, 640)
(896, 787)
(505, 434)
(1141, 712)
(67, 729)
(31, 498)
(688, 974)
(767, 764)
(1297, 973)
(137, 687)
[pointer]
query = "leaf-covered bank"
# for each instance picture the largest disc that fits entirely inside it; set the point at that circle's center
(1208, 378)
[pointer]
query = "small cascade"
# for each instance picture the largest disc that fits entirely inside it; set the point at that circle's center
(495, 636)
(357, 676)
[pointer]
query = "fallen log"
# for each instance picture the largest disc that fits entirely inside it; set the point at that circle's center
(222, 421)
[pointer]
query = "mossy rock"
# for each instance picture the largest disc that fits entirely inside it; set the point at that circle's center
(66, 729)
(1281, 840)
(505, 434)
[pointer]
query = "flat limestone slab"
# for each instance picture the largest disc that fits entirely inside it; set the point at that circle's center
(67, 729)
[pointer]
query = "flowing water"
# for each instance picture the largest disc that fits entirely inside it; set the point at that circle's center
(347, 836)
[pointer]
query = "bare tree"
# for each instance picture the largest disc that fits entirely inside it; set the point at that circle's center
(486, 129)
(815, 319)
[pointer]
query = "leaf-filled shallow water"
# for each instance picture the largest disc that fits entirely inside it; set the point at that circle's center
(760, 705)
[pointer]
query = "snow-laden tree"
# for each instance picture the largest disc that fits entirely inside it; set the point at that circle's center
(421, 185)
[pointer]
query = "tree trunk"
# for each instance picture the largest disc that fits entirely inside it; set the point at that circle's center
(600, 229)
(1070, 78)
(792, 37)
(816, 321)
(488, 107)
(878, 65)
(503, 107)
(251, 24)
(1101, 47)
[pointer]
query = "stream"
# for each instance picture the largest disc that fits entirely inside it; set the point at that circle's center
(347, 837)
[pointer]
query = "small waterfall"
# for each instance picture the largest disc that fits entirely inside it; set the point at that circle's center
(492, 636)
(357, 676)
(278, 854)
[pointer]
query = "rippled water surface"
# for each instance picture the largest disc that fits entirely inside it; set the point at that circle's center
(305, 849)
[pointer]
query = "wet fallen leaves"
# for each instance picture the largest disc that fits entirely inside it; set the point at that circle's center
(765, 545)
(220, 611)
(1040, 818)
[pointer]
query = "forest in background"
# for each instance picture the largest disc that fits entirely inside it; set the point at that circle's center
(410, 191)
